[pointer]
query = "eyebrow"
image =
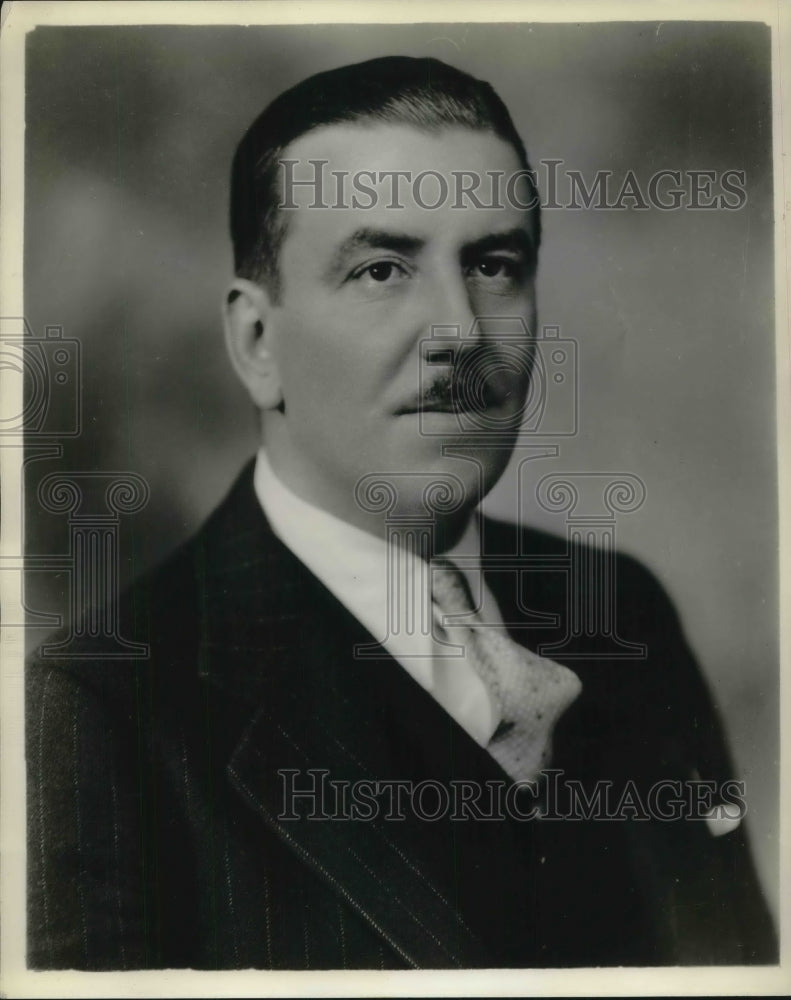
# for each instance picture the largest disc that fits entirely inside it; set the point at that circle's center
(374, 239)
(516, 240)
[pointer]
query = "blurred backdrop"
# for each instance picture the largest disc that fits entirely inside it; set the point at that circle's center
(130, 133)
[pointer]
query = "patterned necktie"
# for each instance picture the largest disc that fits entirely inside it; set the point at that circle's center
(530, 692)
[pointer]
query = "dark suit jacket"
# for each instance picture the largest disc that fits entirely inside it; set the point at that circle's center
(154, 798)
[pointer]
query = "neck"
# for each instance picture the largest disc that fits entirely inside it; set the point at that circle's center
(384, 508)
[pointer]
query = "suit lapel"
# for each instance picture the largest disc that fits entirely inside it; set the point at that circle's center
(275, 641)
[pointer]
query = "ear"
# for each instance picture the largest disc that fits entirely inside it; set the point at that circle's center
(245, 313)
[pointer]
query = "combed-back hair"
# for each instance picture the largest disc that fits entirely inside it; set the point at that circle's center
(425, 93)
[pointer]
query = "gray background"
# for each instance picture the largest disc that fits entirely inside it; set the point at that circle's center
(130, 132)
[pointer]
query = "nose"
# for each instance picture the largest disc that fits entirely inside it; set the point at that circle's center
(449, 317)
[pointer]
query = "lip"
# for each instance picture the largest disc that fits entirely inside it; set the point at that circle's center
(459, 406)
(450, 408)
(435, 407)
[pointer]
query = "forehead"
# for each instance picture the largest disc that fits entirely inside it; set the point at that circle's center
(393, 146)
(400, 177)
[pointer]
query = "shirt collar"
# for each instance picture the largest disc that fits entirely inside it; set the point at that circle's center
(353, 563)
(357, 566)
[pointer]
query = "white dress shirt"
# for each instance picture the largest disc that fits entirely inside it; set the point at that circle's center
(356, 567)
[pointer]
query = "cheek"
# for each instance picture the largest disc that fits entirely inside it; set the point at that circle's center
(309, 350)
(325, 354)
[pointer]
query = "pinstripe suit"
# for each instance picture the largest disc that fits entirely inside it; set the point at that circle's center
(154, 799)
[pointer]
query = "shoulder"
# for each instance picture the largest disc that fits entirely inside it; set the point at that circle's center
(152, 629)
(555, 566)
(611, 620)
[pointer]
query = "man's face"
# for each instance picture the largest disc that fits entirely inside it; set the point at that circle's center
(365, 385)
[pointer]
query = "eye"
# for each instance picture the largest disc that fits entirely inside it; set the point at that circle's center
(382, 271)
(379, 274)
(495, 267)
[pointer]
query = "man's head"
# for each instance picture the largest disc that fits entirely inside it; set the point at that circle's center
(425, 94)
(332, 318)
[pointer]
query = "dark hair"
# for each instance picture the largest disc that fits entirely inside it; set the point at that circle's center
(425, 93)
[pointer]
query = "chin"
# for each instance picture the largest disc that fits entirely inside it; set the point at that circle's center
(474, 471)
(440, 476)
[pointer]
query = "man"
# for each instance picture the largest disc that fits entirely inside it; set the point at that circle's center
(346, 638)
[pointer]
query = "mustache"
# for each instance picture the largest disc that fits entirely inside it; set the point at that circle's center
(471, 384)
(443, 389)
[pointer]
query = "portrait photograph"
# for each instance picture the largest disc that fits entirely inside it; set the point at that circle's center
(394, 467)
